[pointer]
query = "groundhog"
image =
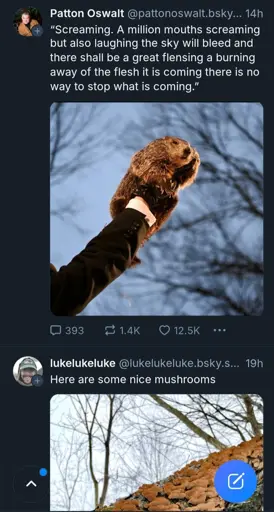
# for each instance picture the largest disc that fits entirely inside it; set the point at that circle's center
(166, 166)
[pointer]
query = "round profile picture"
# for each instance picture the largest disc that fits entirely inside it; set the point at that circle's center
(25, 370)
(28, 22)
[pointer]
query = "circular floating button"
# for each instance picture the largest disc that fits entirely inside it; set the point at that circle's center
(235, 481)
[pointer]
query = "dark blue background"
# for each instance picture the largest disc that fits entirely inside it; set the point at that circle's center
(24, 252)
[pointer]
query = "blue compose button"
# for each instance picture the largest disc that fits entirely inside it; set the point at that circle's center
(235, 481)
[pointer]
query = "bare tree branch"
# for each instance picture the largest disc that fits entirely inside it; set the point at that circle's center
(208, 258)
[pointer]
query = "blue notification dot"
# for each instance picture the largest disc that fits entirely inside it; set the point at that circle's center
(43, 472)
(235, 481)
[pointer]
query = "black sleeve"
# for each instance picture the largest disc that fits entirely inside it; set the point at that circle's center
(104, 259)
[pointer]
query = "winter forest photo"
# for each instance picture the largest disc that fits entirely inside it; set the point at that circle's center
(151, 452)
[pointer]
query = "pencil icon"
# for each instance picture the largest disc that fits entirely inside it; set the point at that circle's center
(237, 479)
(234, 479)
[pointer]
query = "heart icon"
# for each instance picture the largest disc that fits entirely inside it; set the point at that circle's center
(164, 329)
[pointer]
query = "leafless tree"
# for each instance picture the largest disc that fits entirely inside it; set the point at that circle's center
(149, 458)
(108, 445)
(208, 259)
(94, 432)
(214, 414)
(69, 453)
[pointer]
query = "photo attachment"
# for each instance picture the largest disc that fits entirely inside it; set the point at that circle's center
(156, 453)
(204, 255)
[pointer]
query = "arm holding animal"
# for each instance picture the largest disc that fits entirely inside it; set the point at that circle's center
(104, 259)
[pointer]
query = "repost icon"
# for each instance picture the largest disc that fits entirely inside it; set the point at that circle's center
(109, 329)
(55, 330)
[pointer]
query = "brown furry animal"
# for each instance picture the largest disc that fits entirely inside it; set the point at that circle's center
(166, 166)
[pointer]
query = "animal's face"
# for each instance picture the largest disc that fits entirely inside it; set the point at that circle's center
(171, 162)
(183, 163)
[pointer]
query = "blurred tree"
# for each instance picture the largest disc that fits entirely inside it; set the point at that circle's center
(208, 258)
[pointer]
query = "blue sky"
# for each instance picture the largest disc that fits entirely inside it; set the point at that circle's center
(90, 190)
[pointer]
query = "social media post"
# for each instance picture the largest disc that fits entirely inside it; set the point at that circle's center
(156, 452)
(153, 51)
(156, 210)
(144, 367)
(209, 408)
(139, 367)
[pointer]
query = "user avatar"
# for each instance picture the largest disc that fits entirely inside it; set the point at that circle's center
(26, 19)
(25, 369)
